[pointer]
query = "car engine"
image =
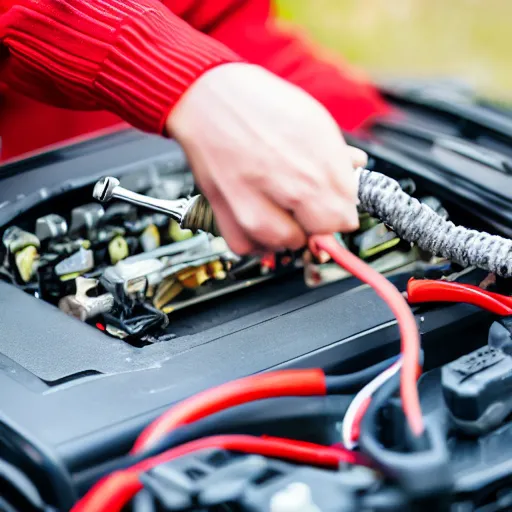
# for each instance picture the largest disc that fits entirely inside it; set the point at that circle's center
(146, 367)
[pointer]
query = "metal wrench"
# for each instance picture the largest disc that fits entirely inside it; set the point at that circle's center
(192, 213)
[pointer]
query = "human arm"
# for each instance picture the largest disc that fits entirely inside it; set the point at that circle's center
(133, 58)
(267, 155)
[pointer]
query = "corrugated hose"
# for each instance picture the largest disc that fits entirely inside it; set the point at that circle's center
(415, 222)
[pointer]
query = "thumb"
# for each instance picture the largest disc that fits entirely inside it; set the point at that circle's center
(358, 156)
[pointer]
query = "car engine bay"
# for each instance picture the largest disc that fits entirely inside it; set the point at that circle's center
(146, 367)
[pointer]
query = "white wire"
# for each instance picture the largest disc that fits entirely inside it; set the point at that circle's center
(361, 397)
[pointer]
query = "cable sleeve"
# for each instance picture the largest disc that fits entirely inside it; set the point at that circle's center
(417, 223)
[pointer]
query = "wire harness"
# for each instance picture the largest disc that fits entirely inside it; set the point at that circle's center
(417, 223)
(114, 491)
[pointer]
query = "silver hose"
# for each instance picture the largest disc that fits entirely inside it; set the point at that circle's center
(417, 223)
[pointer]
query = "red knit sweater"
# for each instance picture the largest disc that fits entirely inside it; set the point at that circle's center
(135, 58)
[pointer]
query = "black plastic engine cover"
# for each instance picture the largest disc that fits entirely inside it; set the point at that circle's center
(72, 398)
(100, 393)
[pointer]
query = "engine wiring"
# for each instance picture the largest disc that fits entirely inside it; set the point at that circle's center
(427, 290)
(340, 386)
(304, 382)
(400, 443)
(248, 389)
(425, 472)
(115, 491)
(409, 334)
(360, 403)
(417, 223)
(169, 431)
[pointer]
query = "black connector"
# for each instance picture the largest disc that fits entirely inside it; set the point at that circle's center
(500, 335)
(423, 474)
(477, 389)
(219, 480)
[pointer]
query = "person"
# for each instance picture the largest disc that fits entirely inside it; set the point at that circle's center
(255, 109)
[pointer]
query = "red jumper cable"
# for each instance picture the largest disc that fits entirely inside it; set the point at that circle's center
(426, 290)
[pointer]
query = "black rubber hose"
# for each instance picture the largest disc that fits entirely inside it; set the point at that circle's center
(353, 382)
(423, 474)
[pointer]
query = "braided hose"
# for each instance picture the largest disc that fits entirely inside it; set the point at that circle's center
(417, 223)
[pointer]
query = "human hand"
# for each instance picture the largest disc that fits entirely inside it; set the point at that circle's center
(269, 158)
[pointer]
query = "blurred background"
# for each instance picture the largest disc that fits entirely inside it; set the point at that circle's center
(466, 39)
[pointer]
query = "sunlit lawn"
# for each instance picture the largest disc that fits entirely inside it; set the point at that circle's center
(470, 39)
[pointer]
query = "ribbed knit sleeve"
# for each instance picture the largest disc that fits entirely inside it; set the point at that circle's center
(134, 58)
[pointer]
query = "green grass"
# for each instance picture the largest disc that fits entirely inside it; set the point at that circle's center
(468, 39)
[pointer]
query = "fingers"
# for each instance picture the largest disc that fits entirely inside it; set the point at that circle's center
(331, 214)
(344, 180)
(236, 238)
(340, 166)
(270, 159)
(249, 222)
(267, 224)
(359, 160)
(338, 210)
(230, 230)
(318, 209)
(358, 156)
(325, 200)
